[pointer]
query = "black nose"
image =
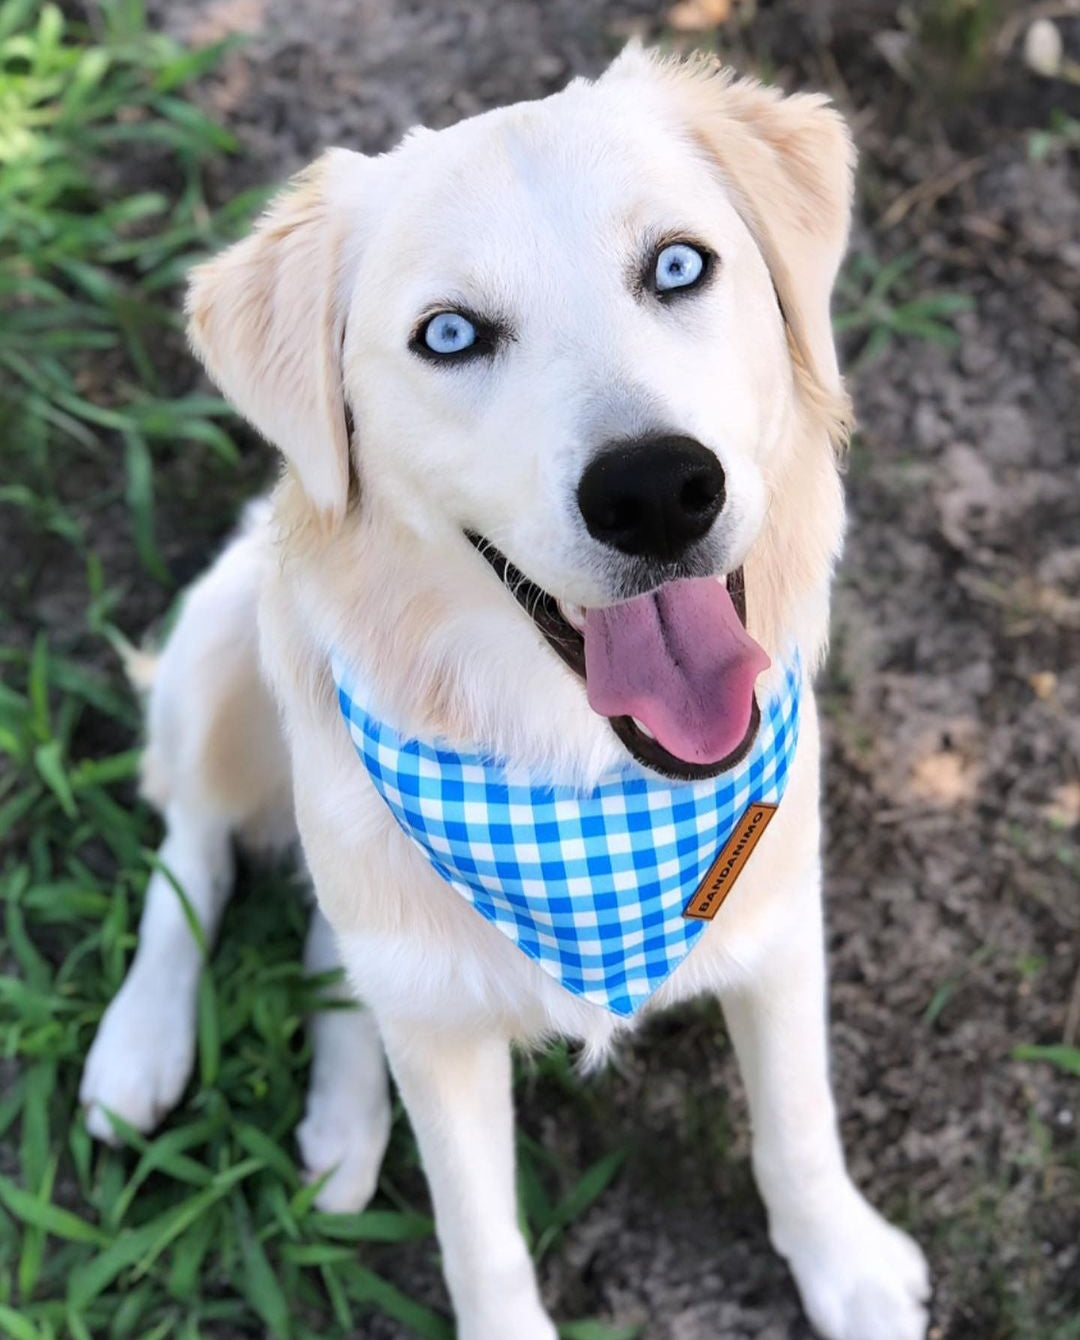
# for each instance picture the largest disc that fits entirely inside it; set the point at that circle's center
(653, 496)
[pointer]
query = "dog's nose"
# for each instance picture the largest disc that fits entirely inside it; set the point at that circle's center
(653, 496)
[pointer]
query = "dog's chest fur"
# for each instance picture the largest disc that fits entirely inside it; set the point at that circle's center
(402, 930)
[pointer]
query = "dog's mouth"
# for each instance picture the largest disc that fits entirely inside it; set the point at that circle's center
(673, 670)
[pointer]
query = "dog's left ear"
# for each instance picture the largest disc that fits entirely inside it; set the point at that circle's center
(267, 318)
(788, 163)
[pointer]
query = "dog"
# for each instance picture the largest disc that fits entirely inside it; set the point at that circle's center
(560, 416)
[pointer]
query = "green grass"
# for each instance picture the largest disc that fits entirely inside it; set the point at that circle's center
(88, 260)
(1063, 1057)
(876, 307)
(207, 1228)
(960, 35)
(1062, 134)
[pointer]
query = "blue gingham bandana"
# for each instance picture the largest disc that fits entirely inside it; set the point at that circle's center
(591, 885)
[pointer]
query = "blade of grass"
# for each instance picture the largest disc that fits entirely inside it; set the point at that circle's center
(371, 1226)
(138, 1248)
(1063, 1057)
(139, 496)
(364, 1286)
(209, 1030)
(50, 1218)
(12, 1323)
(259, 1283)
(588, 1188)
(597, 1330)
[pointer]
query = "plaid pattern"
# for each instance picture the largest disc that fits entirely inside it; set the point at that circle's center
(590, 885)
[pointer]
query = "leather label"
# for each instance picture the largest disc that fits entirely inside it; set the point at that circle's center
(728, 866)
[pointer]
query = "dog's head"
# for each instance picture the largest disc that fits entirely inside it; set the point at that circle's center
(589, 336)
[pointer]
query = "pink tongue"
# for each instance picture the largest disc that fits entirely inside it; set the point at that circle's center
(680, 661)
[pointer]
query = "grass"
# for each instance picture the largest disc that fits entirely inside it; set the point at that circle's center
(956, 43)
(876, 307)
(1062, 134)
(87, 261)
(1063, 1057)
(207, 1228)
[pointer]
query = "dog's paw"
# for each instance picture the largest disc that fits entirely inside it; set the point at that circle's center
(496, 1295)
(350, 1151)
(141, 1058)
(859, 1277)
(534, 1325)
(344, 1132)
(509, 1306)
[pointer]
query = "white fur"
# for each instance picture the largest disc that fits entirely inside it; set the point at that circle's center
(538, 215)
(215, 764)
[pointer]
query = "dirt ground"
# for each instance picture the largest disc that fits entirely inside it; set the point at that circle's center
(952, 698)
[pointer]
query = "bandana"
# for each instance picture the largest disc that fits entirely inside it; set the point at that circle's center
(607, 889)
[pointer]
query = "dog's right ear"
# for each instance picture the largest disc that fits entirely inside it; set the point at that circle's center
(788, 164)
(267, 318)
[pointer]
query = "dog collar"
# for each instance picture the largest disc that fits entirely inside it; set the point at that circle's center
(606, 889)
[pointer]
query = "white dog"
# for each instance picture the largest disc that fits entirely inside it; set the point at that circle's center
(576, 352)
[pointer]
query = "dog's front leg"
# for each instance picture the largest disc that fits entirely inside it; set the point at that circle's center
(860, 1278)
(457, 1092)
(144, 1050)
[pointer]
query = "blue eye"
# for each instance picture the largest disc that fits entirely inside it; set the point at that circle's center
(678, 266)
(449, 333)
